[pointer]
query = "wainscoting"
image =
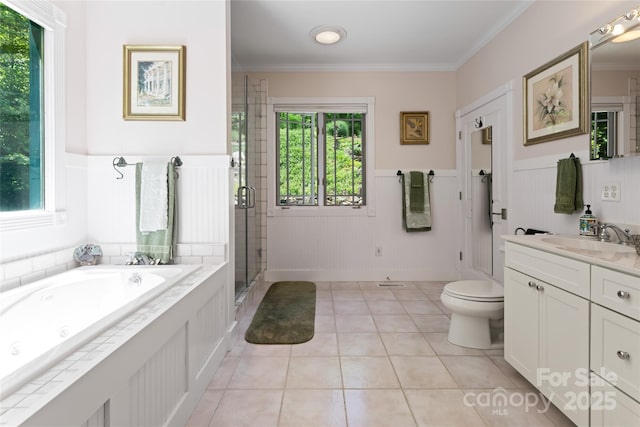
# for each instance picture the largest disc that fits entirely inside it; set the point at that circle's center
(344, 247)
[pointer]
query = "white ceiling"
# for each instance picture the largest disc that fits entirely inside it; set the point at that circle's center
(420, 35)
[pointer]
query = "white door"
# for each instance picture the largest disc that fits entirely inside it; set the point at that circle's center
(485, 127)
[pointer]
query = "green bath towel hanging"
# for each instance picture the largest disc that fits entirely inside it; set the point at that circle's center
(157, 244)
(569, 186)
(415, 220)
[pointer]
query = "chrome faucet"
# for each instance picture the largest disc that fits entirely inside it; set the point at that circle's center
(624, 237)
(139, 258)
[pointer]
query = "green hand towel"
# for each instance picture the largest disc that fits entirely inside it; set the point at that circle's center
(157, 244)
(415, 221)
(416, 192)
(568, 186)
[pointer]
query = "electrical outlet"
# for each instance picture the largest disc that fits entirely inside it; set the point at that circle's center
(611, 192)
(378, 251)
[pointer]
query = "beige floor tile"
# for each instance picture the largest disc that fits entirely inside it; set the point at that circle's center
(254, 350)
(324, 306)
(368, 372)
(431, 322)
(516, 378)
(378, 294)
(350, 307)
(355, 323)
(422, 372)
(421, 307)
(207, 406)
(361, 344)
(314, 373)
(248, 408)
(313, 408)
(395, 323)
(439, 342)
(377, 408)
(405, 294)
(323, 293)
(224, 372)
(406, 344)
(260, 373)
(506, 408)
(442, 408)
(345, 286)
(347, 295)
(385, 307)
(325, 323)
(476, 372)
(322, 344)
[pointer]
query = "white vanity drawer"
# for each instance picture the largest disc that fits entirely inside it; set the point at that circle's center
(612, 408)
(565, 273)
(615, 290)
(615, 349)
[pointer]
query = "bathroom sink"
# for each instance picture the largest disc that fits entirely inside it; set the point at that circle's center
(592, 247)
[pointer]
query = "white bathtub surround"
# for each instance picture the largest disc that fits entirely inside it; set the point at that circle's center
(24, 271)
(178, 339)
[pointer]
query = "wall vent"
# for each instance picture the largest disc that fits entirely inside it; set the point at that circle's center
(391, 285)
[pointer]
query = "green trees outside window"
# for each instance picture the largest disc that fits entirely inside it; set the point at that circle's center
(21, 112)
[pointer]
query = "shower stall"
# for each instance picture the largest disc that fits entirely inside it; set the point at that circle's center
(248, 101)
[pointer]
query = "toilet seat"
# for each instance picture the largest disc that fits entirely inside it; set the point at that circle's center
(475, 290)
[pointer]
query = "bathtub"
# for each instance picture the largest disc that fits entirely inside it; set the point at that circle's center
(43, 322)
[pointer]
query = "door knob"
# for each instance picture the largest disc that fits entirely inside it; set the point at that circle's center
(502, 213)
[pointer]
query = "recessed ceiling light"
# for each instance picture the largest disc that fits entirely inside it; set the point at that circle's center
(325, 34)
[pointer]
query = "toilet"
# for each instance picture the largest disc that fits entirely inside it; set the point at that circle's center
(477, 310)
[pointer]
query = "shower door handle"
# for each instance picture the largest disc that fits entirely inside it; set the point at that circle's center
(251, 197)
(242, 195)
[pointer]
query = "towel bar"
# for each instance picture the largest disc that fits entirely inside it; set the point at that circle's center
(120, 162)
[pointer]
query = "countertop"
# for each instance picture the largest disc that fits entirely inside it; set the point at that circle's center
(627, 262)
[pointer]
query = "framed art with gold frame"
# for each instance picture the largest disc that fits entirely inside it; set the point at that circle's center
(154, 82)
(414, 127)
(555, 98)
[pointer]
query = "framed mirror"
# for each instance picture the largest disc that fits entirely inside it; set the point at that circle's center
(615, 88)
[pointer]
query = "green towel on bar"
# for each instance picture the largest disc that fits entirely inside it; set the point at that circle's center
(415, 221)
(416, 193)
(157, 244)
(568, 186)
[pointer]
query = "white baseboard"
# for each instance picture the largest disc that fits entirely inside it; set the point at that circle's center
(360, 276)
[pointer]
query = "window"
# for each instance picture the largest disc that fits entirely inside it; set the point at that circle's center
(31, 114)
(21, 112)
(320, 159)
(604, 134)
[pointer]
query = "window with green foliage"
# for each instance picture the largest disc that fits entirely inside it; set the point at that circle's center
(320, 159)
(21, 112)
(603, 134)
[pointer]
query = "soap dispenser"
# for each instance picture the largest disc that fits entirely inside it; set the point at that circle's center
(588, 224)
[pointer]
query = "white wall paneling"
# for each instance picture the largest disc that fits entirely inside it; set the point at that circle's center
(343, 247)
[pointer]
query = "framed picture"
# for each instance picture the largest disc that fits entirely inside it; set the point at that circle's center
(555, 98)
(414, 127)
(154, 82)
(487, 135)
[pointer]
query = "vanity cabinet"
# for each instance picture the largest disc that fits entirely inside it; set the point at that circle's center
(615, 348)
(572, 329)
(547, 327)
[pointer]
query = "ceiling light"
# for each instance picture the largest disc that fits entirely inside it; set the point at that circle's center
(327, 34)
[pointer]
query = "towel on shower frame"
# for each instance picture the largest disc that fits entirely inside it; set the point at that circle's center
(157, 244)
(415, 220)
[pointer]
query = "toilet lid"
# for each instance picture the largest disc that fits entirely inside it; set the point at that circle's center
(479, 290)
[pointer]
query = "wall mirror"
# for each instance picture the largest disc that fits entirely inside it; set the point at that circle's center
(615, 88)
(482, 221)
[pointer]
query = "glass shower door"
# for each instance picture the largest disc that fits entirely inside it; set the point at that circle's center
(244, 163)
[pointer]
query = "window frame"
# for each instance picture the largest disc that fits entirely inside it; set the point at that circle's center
(320, 105)
(53, 21)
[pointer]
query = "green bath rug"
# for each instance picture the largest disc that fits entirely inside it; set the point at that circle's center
(286, 315)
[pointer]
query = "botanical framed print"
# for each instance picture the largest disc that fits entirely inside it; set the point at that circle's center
(154, 82)
(555, 98)
(414, 127)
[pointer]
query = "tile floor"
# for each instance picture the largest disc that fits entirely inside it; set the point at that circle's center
(379, 357)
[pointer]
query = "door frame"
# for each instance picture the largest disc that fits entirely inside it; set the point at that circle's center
(496, 110)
